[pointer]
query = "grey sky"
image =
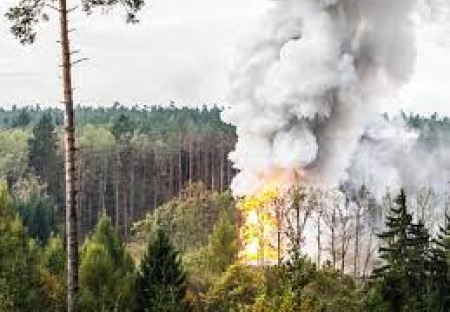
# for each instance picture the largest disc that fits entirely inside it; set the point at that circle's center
(183, 51)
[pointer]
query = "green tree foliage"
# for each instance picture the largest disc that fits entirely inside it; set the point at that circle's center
(154, 153)
(161, 281)
(43, 158)
(38, 216)
(122, 129)
(35, 207)
(414, 274)
(54, 256)
(222, 247)
(295, 287)
(13, 154)
(190, 219)
(20, 284)
(236, 290)
(106, 271)
(206, 264)
(392, 276)
(439, 288)
(53, 274)
(23, 119)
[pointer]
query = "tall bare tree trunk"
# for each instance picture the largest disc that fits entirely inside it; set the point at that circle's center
(132, 192)
(69, 138)
(79, 200)
(333, 238)
(172, 178)
(191, 162)
(229, 173)
(319, 241)
(117, 197)
(206, 167)
(357, 233)
(180, 172)
(222, 157)
(125, 205)
(214, 179)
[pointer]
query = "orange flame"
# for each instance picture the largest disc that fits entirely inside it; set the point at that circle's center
(260, 228)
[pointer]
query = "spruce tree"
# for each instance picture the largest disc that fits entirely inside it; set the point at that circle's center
(403, 279)
(439, 285)
(394, 249)
(392, 276)
(161, 282)
(417, 266)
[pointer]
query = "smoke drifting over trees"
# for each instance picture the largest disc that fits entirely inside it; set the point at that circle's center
(305, 96)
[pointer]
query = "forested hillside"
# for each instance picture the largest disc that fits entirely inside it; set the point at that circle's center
(160, 230)
(130, 160)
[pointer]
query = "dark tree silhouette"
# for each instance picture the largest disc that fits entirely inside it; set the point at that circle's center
(161, 282)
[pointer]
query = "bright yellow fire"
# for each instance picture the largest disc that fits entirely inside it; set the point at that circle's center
(261, 226)
(258, 228)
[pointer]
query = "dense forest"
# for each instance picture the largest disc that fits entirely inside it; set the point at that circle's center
(160, 230)
(130, 160)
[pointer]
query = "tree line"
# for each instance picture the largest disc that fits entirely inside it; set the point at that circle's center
(124, 167)
(173, 264)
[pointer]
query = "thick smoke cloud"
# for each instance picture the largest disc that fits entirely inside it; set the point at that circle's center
(309, 85)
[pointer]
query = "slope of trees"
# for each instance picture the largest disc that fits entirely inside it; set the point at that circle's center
(130, 160)
(181, 266)
(154, 194)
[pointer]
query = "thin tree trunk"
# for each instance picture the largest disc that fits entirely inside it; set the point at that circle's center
(319, 241)
(132, 192)
(116, 197)
(156, 185)
(69, 138)
(356, 256)
(298, 236)
(206, 176)
(229, 173)
(343, 251)
(191, 162)
(180, 172)
(105, 183)
(222, 157)
(199, 167)
(368, 255)
(79, 198)
(125, 205)
(172, 177)
(102, 196)
(212, 169)
(90, 207)
(333, 238)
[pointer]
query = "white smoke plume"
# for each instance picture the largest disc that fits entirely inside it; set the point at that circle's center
(310, 83)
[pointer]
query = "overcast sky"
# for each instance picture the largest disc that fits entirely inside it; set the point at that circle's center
(183, 51)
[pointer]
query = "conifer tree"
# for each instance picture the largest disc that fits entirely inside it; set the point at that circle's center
(24, 17)
(43, 158)
(20, 287)
(106, 271)
(439, 285)
(392, 275)
(417, 266)
(403, 279)
(161, 282)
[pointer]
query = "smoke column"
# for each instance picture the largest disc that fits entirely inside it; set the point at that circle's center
(309, 85)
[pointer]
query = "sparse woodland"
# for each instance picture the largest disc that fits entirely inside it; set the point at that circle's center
(158, 227)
